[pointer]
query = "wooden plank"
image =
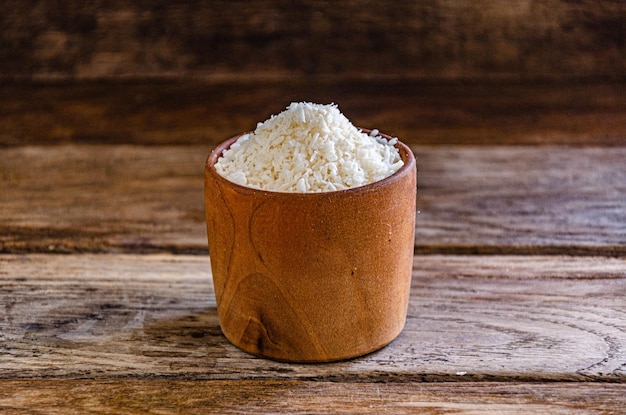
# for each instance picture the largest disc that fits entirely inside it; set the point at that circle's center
(552, 200)
(522, 200)
(304, 397)
(471, 318)
(481, 113)
(516, 40)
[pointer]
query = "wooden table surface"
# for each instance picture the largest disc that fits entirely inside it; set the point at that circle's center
(518, 300)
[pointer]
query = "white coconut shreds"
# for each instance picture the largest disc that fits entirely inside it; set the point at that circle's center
(308, 148)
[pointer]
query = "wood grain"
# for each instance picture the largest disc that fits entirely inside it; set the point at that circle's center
(311, 277)
(521, 200)
(553, 39)
(206, 113)
(305, 397)
(471, 318)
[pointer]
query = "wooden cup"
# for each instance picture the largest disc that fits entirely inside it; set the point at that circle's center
(311, 277)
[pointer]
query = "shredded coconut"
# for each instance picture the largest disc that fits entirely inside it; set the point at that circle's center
(309, 148)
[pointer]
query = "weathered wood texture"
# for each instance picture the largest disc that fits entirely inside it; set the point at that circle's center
(471, 318)
(582, 114)
(303, 397)
(275, 38)
(470, 200)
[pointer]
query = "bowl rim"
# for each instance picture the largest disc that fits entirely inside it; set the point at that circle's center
(405, 153)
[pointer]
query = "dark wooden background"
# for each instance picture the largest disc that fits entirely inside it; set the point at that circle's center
(430, 72)
(269, 39)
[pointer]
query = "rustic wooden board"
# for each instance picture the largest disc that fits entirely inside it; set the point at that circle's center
(238, 39)
(77, 198)
(471, 318)
(483, 113)
(306, 397)
(522, 200)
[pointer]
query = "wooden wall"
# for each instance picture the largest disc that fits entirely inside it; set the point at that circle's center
(243, 40)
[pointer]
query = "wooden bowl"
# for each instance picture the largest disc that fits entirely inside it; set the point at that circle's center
(311, 277)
